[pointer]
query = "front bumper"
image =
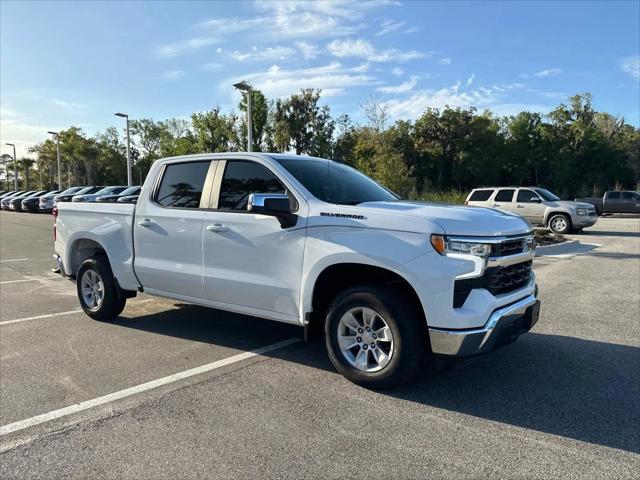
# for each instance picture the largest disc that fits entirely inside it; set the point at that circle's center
(503, 326)
(582, 221)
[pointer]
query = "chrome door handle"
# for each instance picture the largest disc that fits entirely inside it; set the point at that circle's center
(145, 222)
(218, 228)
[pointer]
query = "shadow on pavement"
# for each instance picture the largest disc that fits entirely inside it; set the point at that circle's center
(575, 388)
(606, 233)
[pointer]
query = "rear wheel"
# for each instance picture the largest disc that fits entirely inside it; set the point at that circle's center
(560, 223)
(373, 336)
(100, 296)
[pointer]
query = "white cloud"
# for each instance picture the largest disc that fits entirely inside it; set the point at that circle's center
(397, 71)
(482, 97)
(261, 54)
(550, 72)
(364, 49)
(212, 66)
(20, 130)
(308, 51)
(171, 75)
(402, 88)
(412, 30)
(389, 26)
(631, 65)
(71, 107)
(299, 19)
(471, 79)
(278, 82)
(446, 61)
(187, 46)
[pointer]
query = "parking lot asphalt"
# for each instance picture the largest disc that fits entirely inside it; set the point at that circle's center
(562, 401)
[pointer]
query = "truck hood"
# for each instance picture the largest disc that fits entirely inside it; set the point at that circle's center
(569, 204)
(457, 220)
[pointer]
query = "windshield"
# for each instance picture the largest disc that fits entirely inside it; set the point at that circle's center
(334, 182)
(85, 190)
(546, 194)
(71, 190)
(130, 191)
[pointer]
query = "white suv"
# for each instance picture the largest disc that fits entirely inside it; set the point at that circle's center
(538, 206)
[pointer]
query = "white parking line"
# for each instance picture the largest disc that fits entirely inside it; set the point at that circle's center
(35, 279)
(38, 317)
(68, 312)
(143, 387)
(14, 260)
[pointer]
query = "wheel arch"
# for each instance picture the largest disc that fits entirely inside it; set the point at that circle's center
(337, 277)
(80, 250)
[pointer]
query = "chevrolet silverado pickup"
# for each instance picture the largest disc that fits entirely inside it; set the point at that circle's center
(309, 241)
(615, 202)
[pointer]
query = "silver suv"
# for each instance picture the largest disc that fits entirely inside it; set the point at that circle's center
(538, 206)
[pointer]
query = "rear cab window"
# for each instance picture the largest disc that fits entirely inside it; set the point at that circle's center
(182, 184)
(480, 195)
(505, 195)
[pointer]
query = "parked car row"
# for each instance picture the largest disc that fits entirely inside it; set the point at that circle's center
(46, 200)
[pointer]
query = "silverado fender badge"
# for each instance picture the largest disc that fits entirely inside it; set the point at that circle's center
(343, 215)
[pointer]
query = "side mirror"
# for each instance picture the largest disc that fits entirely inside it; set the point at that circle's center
(536, 200)
(274, 204)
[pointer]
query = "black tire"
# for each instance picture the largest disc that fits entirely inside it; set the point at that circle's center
(406, 325)
(113, 298)
(560, 223)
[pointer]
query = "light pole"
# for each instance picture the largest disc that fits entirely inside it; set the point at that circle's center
(129, 179)
(57, 135)
(244, 86)
(15, 167)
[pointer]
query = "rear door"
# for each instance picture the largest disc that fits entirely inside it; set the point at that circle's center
(529, 205)
(613, 202)
(168, 229)
(250, 261)
(503, 199)
(630, 202)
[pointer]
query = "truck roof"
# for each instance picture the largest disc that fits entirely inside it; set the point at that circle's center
(204, 156)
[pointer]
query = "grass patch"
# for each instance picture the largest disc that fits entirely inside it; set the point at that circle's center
(544, 237)
(453, 197)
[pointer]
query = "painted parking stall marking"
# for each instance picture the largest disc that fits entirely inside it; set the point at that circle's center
(143, 387)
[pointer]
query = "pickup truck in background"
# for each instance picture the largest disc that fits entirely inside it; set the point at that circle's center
(309, 241)
(615, 201)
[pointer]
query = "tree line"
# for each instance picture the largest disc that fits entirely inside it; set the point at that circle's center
(574, 150)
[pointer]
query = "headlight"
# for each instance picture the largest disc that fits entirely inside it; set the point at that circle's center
(582, 211)
(443, 246)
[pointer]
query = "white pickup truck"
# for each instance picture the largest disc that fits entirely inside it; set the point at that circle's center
(309, 241)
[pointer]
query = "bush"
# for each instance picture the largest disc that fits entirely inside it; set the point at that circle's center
(454, 197)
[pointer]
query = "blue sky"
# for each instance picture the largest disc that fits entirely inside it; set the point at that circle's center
(76, 63)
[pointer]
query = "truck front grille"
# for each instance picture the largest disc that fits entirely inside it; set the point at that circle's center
(497, 280)
(508, 247)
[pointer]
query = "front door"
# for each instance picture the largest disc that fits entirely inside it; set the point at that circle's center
(168, 230)
(529, 207)
(250, 261)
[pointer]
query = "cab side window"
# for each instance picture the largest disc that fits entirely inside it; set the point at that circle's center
(505, 195)
(614, 196)
(525, 196)
(182, 185)
(241, 179)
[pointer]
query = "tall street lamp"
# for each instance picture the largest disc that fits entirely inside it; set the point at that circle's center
(57, 135)
(244, 86)
(129, 179)
(15, 167)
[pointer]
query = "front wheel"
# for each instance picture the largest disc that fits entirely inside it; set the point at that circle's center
(374, 338)
(99, 294)
(560, 223)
